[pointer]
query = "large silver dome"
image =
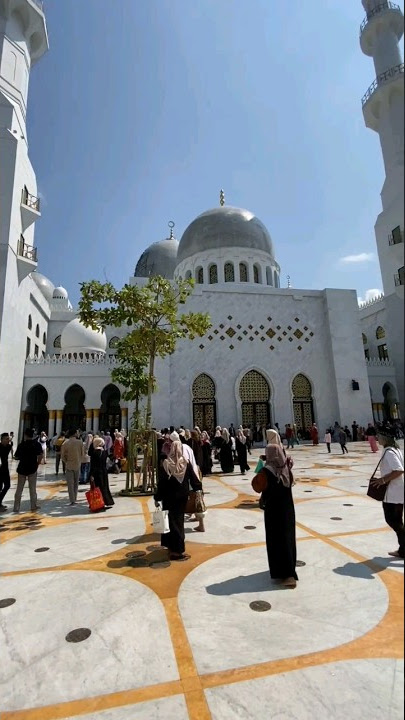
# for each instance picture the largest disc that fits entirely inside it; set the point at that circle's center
(158, 259)
(45, 285)
(224, 227)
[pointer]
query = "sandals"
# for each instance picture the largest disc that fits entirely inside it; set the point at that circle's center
(180, 558)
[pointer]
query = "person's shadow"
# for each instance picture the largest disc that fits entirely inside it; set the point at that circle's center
(367, 569)
(258, 582)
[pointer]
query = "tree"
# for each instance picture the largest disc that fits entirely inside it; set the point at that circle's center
(151, 314)
(130, 373)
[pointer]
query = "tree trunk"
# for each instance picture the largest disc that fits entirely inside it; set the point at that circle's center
(148, 417)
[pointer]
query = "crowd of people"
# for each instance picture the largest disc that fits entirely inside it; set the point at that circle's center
(185, 457)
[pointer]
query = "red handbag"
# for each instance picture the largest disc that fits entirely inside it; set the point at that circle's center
(95, 498)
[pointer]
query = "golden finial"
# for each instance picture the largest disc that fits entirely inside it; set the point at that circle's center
(171, 225)
(221, 198)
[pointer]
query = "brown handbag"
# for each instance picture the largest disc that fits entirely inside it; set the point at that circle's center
(195, 503)
(374, 492)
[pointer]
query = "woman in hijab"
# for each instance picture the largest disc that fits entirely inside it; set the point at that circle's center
(206, 453)
(196, 447)
(226, 453)
(98, 469)
(118, 448)
(241, 450)
(279, 514)
(175, 477)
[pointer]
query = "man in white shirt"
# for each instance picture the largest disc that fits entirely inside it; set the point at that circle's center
(392, 475)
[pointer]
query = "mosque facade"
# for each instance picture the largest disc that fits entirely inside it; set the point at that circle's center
(272, 354)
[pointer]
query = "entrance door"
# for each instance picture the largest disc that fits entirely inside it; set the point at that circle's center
(204, 403)
(303, 405)
(254, 392)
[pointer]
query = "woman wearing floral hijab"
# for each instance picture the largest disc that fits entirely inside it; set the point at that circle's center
(175, 477)
(279, 514)
(241, 450)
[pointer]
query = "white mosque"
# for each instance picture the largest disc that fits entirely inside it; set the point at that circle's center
(272, 354)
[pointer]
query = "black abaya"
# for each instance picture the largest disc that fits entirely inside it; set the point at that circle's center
(174, 495)
(226, 457)
(207, 459)
(279, 520)
(241, 449)
(98, 471)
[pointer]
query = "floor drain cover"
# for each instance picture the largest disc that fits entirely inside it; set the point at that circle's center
(250, 527)
(260, 606)
(336, 518)
(41, 549)
(6, 602)
(78, 635)
(102, 528)
(159, 565)
(347, 504)
(307, 490)
(300, 563)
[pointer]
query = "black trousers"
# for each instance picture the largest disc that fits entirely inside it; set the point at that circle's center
(393, 514)
(344, 448)
(328, 446)
(4, 485)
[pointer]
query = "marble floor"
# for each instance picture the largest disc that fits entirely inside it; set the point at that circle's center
(97, 624)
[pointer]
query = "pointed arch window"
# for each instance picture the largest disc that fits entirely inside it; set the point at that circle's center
(199, 276)
(37, 331)
(269, 276)
(229, 272)
(256, 274)
(243, 272)
(213, 274)
(29, 322)
(380, 333)
(57, 342)
(364, 337)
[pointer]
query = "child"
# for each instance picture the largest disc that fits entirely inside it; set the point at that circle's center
(328, 439)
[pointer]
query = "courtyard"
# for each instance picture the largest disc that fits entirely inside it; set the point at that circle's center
(97, 624)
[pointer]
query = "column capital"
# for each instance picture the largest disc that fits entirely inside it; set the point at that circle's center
(124, 411)
(59, 414)
(89, 414)
(52, 414)
(96, 413)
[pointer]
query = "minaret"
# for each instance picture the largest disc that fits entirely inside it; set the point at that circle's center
(23, 40)
(383, 111)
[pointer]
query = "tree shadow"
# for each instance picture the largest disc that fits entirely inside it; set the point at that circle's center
(367, 569)
(258, 582)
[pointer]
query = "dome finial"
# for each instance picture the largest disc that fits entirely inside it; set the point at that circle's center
(288, 281)
(171, 225)
(221, 198)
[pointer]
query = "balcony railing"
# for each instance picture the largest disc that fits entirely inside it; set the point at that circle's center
(29, 200)
(381, 79)
(396, 237)
(378, 9)
(28, 252)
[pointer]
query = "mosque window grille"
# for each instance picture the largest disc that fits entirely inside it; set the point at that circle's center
(37, 331)
(57, 342)
(213, 274)
(383, 352)
(256, 274)
(243, 272)
(29, 322)
(269, 276)
(113, 343)
(364, 337)
(203, 388)
(28, 348)
(44, 338)
(230, 332)
(254, 388)
(380, 333)
(229, 272)
(301, 388)
(298, 334)
(199, 276)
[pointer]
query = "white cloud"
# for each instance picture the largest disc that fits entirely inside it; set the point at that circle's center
(360, 258)
(370, 295)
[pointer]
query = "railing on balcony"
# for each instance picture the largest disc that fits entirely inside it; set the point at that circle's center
(26, 251)
(378, 9)
(29, 200)
(396, 237)
(381, 79)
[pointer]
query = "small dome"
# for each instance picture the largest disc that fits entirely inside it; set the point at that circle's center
(224, 227)
(160, 258)
(76, 338)
(60, 293)
(44, 284)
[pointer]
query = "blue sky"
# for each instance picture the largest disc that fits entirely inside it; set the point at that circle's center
(143, 109)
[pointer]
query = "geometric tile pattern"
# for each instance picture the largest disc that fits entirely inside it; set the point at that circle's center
(268, 330)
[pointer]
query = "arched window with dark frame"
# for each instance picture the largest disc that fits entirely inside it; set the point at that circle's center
(57, 341)
(29, 322)
(243, 272)
(257, 274)
(213, 274)
(37, 331)
(269, 276)
(44, 338)
(229, 272)
(199, 276)
(380, 333)
(113, 342)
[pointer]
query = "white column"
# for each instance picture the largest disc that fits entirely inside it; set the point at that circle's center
(89, 420)
(59, 415)
(51, 424)
(96, 416)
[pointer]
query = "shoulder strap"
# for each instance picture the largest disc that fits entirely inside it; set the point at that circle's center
(379, 462)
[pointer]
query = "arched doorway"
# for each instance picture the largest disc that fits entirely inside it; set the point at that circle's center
(74, 413)
(254, 391)
(110, 410)
(204, 403)
(303, 404)
(390, 405)
(36, 413)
